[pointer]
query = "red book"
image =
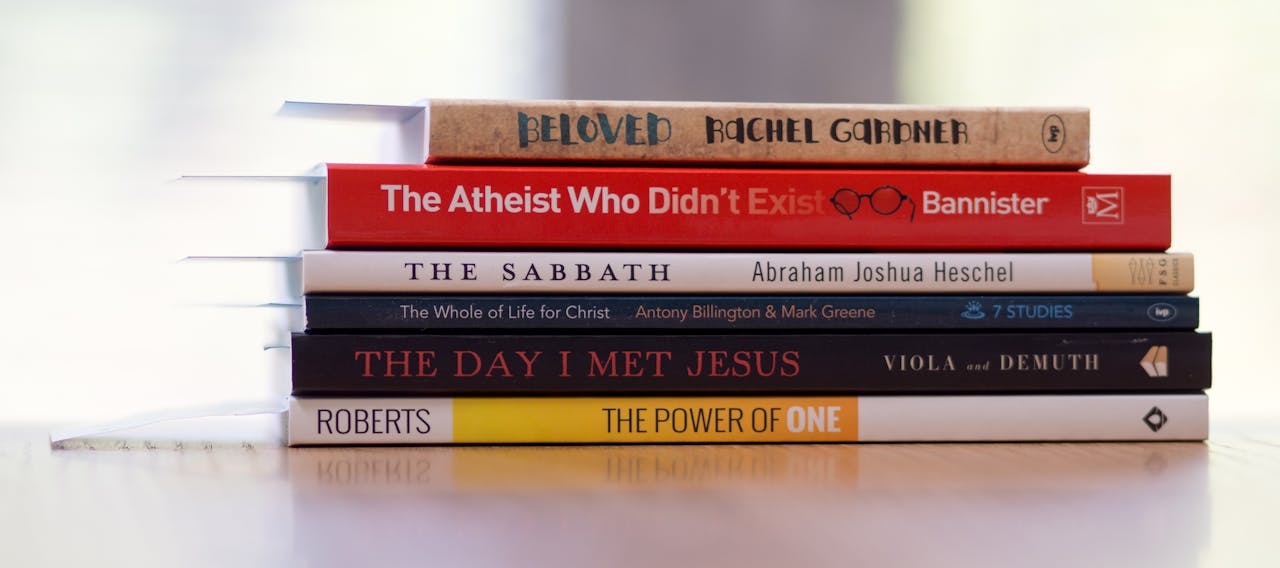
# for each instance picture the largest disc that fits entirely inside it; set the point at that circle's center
(519, 207)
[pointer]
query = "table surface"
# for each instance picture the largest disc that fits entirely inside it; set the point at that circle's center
(247, 503)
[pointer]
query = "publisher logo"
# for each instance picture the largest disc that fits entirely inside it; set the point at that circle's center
(1162, 312)
(1053, 133)
(1102, 205)
(1155, 419)
(884, 200)
(1156, 362)
(973, 311)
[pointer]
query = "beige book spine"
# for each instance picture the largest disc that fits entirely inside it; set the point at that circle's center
(829, 135)
(1123, 272)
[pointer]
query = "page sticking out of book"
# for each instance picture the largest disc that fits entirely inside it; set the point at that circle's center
(401, 140)
(233, 423)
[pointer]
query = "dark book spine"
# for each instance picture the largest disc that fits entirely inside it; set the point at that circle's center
(455, 365)
(424, 313)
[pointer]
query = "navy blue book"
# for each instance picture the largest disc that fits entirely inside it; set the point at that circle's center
(852, 312)
(460, 364)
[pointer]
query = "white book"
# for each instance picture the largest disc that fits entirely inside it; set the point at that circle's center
(760, 273)
(739, 419)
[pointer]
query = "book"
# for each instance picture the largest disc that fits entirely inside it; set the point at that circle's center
(623, 420)
(754, 273)
(449, 364)
(340, 312)
(461, 131)
(406, 206)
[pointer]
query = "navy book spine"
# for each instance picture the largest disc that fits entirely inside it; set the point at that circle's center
(426, 313)
(656, 363)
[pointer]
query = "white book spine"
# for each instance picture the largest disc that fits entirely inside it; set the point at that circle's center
(1033, 417)
(630, 272)
(551, 420)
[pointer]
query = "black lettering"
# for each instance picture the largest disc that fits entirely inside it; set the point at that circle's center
(523, 120)
(610, 134)
(654, 121)
(422, 414)
(959, 132)
(588, 130)
(840, 132)
(342, 417)
(362, 421)
(413, 269)
(714, 128)
(566, 136)
(324, 416)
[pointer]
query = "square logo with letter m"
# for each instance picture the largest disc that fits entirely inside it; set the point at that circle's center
(1102, 205)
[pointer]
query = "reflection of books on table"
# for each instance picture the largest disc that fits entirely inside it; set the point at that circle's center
(1170, 468)
(1156, 494)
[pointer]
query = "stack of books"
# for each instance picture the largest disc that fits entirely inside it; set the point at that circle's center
(619, 272)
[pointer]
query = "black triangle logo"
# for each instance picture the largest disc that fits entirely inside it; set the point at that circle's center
(1155, 419)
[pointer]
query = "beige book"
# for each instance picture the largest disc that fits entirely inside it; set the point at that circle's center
(704, 133)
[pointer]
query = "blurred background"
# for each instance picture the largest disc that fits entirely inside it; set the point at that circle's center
(103, 106)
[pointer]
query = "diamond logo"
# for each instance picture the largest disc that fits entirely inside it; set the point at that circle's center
(1155, 419)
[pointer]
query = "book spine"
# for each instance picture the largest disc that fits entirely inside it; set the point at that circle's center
(791, 134)
(453, 364)
(753, 273)
(646, 208)
(424, 313)
(625, 420)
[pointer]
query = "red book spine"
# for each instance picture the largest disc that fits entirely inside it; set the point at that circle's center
(510, 207)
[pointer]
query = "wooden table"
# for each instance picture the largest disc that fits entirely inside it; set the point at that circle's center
(255, 503)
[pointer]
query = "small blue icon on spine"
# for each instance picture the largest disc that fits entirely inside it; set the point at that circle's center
(973, 311)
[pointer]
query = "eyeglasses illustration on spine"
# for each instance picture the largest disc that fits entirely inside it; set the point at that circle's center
(885, 200)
